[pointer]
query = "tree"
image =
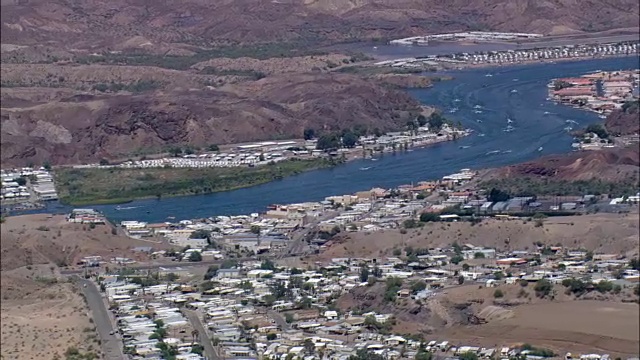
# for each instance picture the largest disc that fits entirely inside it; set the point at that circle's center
(543, 288)
(423, 355)
(267, 265)
(171, 277)
(309, 346)
(195, 256)
(456, 259)
(429, 217)
(328, 142)
(104, 162)
(271, 336)
(460, 280)
(478, 255)
(498, 294)
(213, 147)
(498, 275)
(349, 139)
(309, 134)
(47, 166)
(496, 195)
(22, 181)
(634, 263)
(422, 120)
(435, 121)
(598, 130)
(212, 271)
(418, 286)
(288, 317)
(465, 267)
(468, 356)
(255, 229)
(364, 273)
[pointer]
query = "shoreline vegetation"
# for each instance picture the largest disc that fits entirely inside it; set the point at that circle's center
(117, 186)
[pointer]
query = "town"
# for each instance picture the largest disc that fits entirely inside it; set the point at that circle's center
(464, 36)
(520, 56)
(600, 92)
(27, 188)
(248, 306)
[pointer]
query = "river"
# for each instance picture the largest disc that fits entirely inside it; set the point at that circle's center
(515, 92)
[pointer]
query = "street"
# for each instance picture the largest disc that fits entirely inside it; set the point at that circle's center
(279, 319)
(209, 350)
(111, 345)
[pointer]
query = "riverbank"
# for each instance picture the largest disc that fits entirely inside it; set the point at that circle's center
(116, 185)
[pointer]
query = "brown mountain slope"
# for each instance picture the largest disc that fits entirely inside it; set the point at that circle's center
(119, 24)
(83, 127)
(609, 164)
(625, 121)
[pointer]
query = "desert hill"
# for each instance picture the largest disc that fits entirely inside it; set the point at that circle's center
(123, 24)
(66, 127)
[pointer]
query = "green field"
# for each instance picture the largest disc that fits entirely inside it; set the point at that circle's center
(111, 186)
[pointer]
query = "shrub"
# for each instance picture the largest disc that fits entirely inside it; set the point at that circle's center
(498, 294)
(543, 288)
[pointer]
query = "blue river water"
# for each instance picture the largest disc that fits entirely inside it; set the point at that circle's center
(485, 103)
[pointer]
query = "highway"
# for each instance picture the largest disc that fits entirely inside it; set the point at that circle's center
(209, 350)
(111, 345)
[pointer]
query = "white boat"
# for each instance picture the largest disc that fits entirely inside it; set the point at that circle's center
(465, 147)
(373, 159)
(509, 121)
(478, 112)
(481, 134)
(365, 168)
(456, 100)
(540, 148)
(453, 110)
(547, 113)
(488, 75)
(493, 152)
(514, 91)
(477, 107)
(506, 152)
(479, 121)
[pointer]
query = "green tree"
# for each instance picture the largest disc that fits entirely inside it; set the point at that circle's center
(418, 286)
(328, 142)
(465, 267)
(364, 273)
(456, 259)
(498, 294)
(195, 256)
(468, 356)
(460, 280)
(22, 181)
(478, 255)
(309, 134)
(267, 265)
(213, 147)
(497, 195)
(543, 288)
(423, 355)
(212, 271)
(436, 121)
(349, 140)
(309, 346)
(422, 120)
(429, 217)
(272, 336)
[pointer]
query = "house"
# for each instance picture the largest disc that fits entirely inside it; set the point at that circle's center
(228, 273)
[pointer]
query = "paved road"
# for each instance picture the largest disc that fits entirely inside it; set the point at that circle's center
(111, 345)
(209, 350)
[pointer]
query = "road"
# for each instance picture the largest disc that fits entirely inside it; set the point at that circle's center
(111, 345)
(296, 244)
(174, 265)
(209, 350)
(279, 319)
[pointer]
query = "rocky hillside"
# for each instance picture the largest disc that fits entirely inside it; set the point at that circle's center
(625, 121)
(64, 127)
(609, 164)
(159, 25)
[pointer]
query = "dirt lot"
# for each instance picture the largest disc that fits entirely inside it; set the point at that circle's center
(582, 326)
(601, 233)
(42, 239)
(41, 317)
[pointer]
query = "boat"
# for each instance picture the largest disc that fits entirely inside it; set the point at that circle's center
(571, 122)
(509, 121)
(453, 110)
(125, 208)
(365, 168)
(568, 128)
(478, 112)
(509, 128)
(547, 113)
(540, 148)
(488, 75)
(515, 79)
(171, 217)
(506, 152)
(477, 107)
(456, 100)
(481, 134)
(373, 159)
(493, 152)
(465, 147)
(479, 121)
(514, 91)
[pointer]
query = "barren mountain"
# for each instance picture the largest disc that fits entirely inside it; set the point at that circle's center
(159, 25)
(625, 121)
(608, 164)
(75, 127)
